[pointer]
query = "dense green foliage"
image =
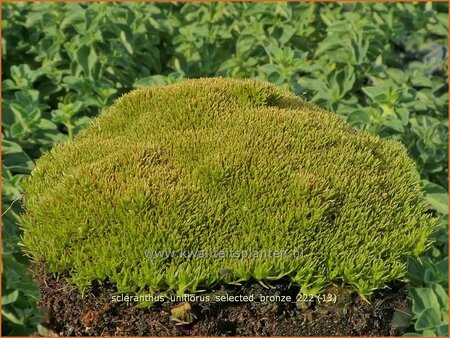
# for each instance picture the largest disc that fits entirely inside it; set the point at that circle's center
(218, 165)
(381, 66)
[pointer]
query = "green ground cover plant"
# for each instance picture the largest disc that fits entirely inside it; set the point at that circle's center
(381, 66)
(217, 164)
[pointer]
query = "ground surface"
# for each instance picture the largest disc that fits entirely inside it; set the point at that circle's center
(69, 314)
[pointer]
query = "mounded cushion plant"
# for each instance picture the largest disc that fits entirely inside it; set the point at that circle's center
(218, 164)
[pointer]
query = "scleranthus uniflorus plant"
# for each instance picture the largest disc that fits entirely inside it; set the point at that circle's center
(214, 166)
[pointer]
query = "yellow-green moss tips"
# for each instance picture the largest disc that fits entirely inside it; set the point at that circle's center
(217, 164)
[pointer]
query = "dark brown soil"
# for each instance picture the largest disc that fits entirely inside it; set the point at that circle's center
(70, 314)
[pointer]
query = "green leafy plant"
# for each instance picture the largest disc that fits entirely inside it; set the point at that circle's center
(430, 308)
(224, 165)
(64, 62)
(19, 293)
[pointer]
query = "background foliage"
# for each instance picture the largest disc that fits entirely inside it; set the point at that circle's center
(381, 66)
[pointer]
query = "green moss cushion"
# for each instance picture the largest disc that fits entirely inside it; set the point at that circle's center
(184, 186)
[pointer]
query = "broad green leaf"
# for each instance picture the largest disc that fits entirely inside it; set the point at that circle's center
(126, 42)
(373, 92)
(10, 297)
(437, 196)
(428, 319)
(394, 123)
(12, 317)
(441, 294)
(442, 330)
(15, 159)
(87, 57)
(423, 298)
